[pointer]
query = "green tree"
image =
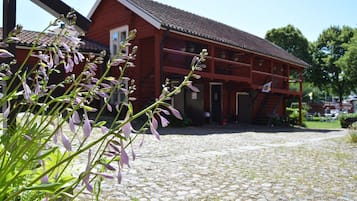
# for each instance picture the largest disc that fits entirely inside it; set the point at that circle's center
(326, 72)
(348, 61)
(292, 40)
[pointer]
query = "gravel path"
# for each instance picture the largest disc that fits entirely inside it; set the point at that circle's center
(223, 164)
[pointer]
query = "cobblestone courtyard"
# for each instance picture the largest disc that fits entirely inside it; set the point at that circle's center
(217, 164)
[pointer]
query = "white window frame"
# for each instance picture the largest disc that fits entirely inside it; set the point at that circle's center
(118, 31)
(118, 95)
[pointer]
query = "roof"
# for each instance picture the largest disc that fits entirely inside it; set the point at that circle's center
(27, 39)
(58, 7)
(164, 16)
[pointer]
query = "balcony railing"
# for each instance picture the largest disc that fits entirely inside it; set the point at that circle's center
(231, 69)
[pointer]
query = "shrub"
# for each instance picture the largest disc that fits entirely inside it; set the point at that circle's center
(293, 115)
(346, 120)
(353, 132)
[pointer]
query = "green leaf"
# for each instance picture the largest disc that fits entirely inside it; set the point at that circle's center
(130, 108)
(110, 78)
(101, 123)
(51, 187)
(45, 154)
(89, 108)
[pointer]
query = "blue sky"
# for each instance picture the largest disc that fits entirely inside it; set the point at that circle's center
(253, 16)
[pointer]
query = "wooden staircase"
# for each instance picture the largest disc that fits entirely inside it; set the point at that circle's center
(267, 107)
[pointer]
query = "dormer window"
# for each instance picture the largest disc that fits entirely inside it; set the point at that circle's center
(117, 37)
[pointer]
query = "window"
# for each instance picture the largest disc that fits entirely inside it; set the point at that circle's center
(119, 96)
(117, 37)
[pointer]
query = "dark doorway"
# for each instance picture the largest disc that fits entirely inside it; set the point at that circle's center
(216, 102)
(244, 107)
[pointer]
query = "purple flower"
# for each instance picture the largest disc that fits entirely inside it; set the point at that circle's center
(109, 107)
(126, 128)
(42, 57)
(104, 175)
(154, 123)
(75, 59)
(104, 129)
(71, 125)
(80, 56)
(7, 110)
(50, 62)
(108, 166)
(5, 54)
(116, 149)
(55, 136)
(66, 47)
(133, 153)
(142, 142)
(44, 179)
(193, 88)
(29, 138)
(58, 132)
(87, 129)
(165, 111)
(175, 112)
(124, 158)
(59, 53)
(68, 67)
(37, 88)
(119, 177)
(164, 121)
(27, 90)
(75, 117)
(153, 127)
(66, 143)
(56, 59)
(89, 187)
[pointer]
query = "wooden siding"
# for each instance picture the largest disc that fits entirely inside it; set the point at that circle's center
(111, 14)
(164, 54)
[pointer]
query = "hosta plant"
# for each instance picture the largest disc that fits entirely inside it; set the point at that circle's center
(49, 135)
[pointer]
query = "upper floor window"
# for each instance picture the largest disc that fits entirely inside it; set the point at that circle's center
(117, 37)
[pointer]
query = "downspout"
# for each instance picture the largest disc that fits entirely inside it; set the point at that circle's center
(162, 43)
(300, 99)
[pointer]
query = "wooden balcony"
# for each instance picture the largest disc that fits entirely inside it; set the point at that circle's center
(247, 70)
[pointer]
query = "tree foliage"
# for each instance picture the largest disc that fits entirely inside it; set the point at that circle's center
(327, 70)
(348, 61)
(292, 40)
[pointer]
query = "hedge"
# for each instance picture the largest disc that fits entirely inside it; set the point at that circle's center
(346, 120)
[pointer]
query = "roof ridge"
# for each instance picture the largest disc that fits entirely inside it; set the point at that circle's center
(145, 11)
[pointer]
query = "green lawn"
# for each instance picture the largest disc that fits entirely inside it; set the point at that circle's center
(323, 124)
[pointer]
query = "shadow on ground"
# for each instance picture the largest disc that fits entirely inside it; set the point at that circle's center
(236, 128)
(209, 129)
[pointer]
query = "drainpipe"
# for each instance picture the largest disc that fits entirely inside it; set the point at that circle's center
(162, 54)
(300, 98)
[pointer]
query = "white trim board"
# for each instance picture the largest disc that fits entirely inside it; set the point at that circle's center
(137, 10)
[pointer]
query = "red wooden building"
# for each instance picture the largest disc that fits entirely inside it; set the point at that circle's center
(238, 65)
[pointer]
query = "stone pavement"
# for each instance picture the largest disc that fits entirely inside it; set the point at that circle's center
(226, 164)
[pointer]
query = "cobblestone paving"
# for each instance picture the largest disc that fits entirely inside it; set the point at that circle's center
(230, 165)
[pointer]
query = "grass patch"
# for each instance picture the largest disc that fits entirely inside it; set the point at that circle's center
(323, 124)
